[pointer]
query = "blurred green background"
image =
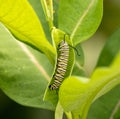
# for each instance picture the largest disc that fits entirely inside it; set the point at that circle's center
(110, 22)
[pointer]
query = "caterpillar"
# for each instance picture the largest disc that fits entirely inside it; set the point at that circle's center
(61, 66)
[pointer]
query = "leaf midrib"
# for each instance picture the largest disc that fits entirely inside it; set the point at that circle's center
(79, 22)
(34, 60)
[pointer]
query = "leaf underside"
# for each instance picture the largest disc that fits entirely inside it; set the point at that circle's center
(24, 72)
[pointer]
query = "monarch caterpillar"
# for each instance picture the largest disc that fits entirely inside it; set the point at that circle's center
(61, 67)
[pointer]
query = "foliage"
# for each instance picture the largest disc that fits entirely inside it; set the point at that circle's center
(25, 72)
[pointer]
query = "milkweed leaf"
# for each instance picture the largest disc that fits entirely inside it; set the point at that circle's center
(80, 18)
(24, 72)
(76, 94)
(20, 18)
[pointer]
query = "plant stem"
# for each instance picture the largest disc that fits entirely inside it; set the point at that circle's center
(59, 111)
(48, 10)
(68, 115)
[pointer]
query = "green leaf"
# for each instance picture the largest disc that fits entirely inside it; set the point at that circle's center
(58, 36)
(108, 72)
(117, 111)
(24, 72)
(110, 50)
(80, 18)
(40, 13)
(111, 100)
(20, 18)
(77, 93)
(107, 106)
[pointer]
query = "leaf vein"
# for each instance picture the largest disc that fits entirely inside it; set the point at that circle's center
(34, 60)
(81, 19)
(115, 110)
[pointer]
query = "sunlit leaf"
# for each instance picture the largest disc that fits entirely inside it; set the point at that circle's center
(20, 18)
(77, 93)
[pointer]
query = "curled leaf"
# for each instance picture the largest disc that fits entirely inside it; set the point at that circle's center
(58, 36)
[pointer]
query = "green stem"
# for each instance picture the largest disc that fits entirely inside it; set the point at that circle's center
(58, 111)
(48, 10)
(68, 115)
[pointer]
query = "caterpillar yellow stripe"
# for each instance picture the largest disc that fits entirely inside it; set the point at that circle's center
(61, 66)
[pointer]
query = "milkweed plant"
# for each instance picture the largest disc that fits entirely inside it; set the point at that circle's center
(28, 71)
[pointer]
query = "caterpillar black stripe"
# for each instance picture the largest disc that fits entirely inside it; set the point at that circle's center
(61, 67)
